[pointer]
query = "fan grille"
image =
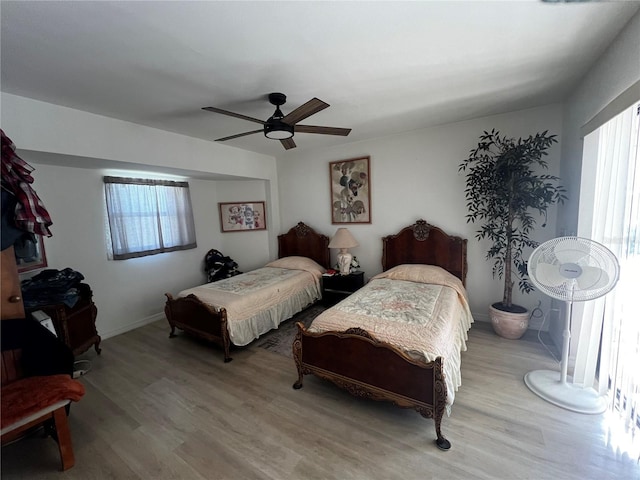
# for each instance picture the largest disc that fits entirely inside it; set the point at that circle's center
(573, 269)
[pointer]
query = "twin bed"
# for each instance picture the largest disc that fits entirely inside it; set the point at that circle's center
(239, 309)
(396, 339)
(399, 337)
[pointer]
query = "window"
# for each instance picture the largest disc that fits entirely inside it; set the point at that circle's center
(147, 217)
(610, 214)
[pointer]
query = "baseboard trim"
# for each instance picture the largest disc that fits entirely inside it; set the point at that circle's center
(132, 326)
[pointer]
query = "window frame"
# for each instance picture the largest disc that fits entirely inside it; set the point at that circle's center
(177, 218)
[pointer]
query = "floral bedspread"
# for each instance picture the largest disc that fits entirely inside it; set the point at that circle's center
(257, 301)
(252, 281)
(422, 319)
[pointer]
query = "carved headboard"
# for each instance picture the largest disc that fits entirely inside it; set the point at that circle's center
(304, 241)
(424, 243)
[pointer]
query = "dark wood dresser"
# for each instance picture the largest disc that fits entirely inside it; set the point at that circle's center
(75, 326)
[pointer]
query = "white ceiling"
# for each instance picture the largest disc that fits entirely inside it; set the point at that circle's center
(384, 67)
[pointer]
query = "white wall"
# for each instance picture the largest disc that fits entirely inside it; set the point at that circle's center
(127, 293)
(130, 293)
(249, 249)
(69, 148)
(414, 176)
(44, 127)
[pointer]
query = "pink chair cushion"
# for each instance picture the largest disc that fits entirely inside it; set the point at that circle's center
(29, 395)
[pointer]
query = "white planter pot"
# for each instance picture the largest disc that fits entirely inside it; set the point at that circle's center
(509, 325)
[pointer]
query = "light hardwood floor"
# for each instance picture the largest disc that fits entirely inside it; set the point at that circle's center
(160, 408)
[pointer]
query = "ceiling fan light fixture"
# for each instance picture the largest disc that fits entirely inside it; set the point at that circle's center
(275, 129)
(282, 127)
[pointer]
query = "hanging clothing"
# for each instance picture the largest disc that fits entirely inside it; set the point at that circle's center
(30, 213)
(10, 233)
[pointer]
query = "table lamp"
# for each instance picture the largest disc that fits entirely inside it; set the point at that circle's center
(343, 240)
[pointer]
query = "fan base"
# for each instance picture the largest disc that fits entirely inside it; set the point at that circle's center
(547, 385)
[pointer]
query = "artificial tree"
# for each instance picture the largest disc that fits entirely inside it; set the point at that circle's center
(503, 189)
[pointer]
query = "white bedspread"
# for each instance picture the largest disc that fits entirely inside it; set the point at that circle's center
(425, 320)
(260, 300)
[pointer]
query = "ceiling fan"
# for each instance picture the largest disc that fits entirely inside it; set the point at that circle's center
(282, 127)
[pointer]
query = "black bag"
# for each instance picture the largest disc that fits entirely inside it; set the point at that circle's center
(218, 266)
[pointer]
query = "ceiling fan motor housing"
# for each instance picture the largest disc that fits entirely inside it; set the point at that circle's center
(275, 128)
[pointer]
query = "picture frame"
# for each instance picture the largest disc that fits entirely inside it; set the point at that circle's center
(30, 254)
(242, 216)
(350, 190)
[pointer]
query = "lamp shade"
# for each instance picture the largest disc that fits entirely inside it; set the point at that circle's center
(343, 239)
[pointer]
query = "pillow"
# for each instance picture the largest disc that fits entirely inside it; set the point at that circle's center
(297, 263)
(423, 274)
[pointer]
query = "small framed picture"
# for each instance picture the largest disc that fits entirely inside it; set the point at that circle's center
(242, 216)
(29, 252)
(350, 191)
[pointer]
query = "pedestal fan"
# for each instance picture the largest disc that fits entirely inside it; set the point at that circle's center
(572, 269)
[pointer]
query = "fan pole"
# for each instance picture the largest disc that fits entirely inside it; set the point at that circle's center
(563, 393)
(566, 337)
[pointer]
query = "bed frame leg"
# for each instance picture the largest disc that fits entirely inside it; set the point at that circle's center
(441, 442)
(226, 341)
(226, 345)
(298, 384)
(172, 333)
(296, 350)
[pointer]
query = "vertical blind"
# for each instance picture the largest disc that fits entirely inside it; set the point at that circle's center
(611, 326)
(147, 217)
(621, 339)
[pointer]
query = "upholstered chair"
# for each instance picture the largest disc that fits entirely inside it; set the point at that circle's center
(37, 385)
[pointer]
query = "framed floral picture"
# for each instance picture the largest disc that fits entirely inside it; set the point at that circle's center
(29, 252)
(350, 191)
(242, 216)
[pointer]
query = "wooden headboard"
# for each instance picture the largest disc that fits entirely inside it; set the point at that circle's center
(424, 243)
(304, 241)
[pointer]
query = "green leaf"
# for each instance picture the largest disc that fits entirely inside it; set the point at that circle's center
(503, 187)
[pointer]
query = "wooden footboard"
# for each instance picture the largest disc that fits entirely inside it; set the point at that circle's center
(194, 317)
(357, 362)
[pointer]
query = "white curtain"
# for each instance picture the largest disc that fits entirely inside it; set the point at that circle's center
(148, 216)
(610, 331)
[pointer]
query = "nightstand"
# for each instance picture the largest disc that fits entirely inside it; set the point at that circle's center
(75, 326)
(337, 287)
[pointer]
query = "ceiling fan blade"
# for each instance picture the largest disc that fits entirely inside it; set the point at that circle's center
(239, 135)
(303, 111)
(231, 114)
(288, 143)
(322, 130)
